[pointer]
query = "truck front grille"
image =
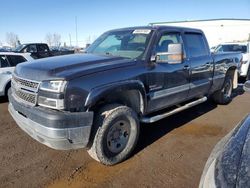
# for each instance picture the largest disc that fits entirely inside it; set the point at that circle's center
(28, 97)
(25, 90)
(31, 85)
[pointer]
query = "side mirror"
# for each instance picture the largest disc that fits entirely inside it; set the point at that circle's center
(246, 86)
(173, 56)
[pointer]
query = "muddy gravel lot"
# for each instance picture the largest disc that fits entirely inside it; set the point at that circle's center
(170, 153)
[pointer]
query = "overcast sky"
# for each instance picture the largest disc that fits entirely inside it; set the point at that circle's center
(31, 20)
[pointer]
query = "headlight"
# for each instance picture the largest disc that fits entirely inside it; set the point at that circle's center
(56, 86)
(51, 103)
(53, 86)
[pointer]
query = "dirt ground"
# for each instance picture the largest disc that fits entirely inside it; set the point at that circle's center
(170, 153)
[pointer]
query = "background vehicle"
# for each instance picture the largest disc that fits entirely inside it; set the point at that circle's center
(228, 164)
(96, 100)
(5, 49)
(246, 86)
(61, 50)
(244, 48)
(40, 50)
(8, 61)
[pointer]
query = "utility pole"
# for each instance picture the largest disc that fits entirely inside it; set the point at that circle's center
(70, 40)
(76, 31)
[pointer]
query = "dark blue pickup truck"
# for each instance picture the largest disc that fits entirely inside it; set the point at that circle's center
(97, 100)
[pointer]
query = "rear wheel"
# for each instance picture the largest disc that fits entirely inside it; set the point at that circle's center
(224, 95)
(115, 135)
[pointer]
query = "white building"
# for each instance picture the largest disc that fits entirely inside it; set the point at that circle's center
(218, 30)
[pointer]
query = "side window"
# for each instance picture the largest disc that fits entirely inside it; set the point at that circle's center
(3, 61)
(31, 48)
(195, 45)
(15, 59)
(42, 48)
(165, 40)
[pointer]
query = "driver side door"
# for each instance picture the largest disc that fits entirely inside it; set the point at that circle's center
(168, 82)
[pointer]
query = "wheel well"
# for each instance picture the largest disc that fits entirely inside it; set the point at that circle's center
(232, 71)
(130, 98)
(8, 85)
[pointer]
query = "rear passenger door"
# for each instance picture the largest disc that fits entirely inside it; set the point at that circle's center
(201, 64)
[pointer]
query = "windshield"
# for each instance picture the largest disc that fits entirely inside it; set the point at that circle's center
(126, 43)
(232, 48)
(18, 48)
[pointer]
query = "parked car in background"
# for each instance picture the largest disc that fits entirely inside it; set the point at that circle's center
(246, 86)
(37, 50)
(212, 49)
(229, 163)
(40, 50)
(61, 50)
(97, 100)
(5, 49)
(244, 48)
(8, 61)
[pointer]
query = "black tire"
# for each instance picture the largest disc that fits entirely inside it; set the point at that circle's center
(248, 74)
(7, 90)
(224, 95)
(115, 135)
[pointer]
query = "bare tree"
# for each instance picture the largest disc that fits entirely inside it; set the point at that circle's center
(57, 39)
(49, 39)
(53, 39)
(12, 39)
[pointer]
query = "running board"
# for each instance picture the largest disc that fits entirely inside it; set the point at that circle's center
(161, 116)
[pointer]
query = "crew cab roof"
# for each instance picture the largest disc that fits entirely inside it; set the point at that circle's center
(160, 27)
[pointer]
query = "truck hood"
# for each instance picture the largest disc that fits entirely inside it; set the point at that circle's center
(69, 66)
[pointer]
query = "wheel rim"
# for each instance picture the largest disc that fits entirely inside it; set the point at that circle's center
(228, 90)
(118, 136)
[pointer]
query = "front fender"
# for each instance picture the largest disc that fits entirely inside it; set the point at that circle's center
(100, 92)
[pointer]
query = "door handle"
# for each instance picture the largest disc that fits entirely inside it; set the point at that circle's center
(186, 67)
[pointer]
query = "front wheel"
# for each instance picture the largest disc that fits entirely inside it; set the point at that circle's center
(224, 95)
(116, 134)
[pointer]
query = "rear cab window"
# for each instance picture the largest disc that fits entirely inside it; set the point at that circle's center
(42, 48)
(232, 48)
(195, 45)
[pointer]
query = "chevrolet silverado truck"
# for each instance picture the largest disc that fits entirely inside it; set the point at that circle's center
(129, 76)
